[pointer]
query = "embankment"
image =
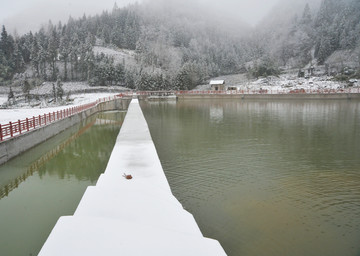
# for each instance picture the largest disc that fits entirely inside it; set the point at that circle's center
(12, 147)
(295, 96)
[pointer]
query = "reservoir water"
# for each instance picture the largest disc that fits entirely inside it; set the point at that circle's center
(48, 181)
(265, 177)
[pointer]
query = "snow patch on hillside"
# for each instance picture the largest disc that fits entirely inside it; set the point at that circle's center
(74, 87)
(121, 56)
(25, 111)
(285, 82)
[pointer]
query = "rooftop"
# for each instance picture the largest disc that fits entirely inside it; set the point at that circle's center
(217, 82)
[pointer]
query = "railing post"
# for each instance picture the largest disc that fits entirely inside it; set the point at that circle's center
(45, 118)
(39, 120)
(1, 135)
(27, 124)
(19, 126)
(34, 122)
(11, 130)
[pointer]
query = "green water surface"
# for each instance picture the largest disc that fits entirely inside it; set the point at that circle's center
(265, 177)
(48, 181)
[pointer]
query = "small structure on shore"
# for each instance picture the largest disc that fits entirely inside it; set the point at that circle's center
(232, 88)
(217, 85)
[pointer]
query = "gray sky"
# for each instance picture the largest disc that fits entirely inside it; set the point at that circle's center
(25, 15)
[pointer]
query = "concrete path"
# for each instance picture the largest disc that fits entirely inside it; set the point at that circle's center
(139, 216)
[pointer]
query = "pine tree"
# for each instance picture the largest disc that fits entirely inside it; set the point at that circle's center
(3, 68)
(52, 53)
(129, 79)
(74, 56)
(26, 90)
(6, 43)
(7, 64)
(54, 91)
(119, 74)
(11, 96)
(19, 63)
(64, 49)
(34, 57)
(306, 16)
(59, 89)
(90, 60)
(25, 44)
(42, 57)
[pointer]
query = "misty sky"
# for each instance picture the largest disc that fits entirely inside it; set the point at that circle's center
(25, 15)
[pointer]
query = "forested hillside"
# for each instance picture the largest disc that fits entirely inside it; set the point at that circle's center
(179, 47)
(313, 35)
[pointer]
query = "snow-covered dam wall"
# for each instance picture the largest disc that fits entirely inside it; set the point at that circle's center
(131, 210)
(12, 147)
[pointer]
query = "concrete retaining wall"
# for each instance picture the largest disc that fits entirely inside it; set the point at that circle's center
(17, 145)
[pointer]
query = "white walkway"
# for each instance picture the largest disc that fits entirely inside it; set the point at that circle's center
(124, 217)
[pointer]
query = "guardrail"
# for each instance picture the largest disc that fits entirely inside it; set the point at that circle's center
(270, 91)
(17, 128)
(13, 129)
(249, 91)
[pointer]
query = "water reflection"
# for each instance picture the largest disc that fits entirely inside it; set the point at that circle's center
(270, 178)
(216, 114)
(49, 180)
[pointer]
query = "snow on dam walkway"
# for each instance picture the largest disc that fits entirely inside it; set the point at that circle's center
(137, 216)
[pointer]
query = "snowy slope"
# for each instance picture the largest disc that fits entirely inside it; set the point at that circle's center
(7, 115)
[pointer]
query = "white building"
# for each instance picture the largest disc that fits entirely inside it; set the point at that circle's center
(217, 85)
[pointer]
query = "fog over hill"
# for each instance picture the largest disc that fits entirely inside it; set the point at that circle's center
(173, 44)
(26, 15)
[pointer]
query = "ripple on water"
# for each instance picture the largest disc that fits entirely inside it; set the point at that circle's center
(275, 177)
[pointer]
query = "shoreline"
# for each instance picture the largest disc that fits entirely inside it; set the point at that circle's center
(299, 96)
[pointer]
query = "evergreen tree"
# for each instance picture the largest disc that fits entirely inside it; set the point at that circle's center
(90, 60)
(59, 89)
(26, 90)
(19, 63)
(11, 96)
(54, 92)
(306, 16)
(3, 68)
(34, 57)
(6, 43)
(119, 74)
(74, 56)
(130, 79)
(52, 53)
(64, 49)
(42, 57)
(7, 63)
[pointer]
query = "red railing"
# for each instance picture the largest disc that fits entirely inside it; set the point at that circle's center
(248, 91)
(270, 91)
(13, 129)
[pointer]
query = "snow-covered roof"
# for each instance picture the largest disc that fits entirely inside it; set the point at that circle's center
(217, 82)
